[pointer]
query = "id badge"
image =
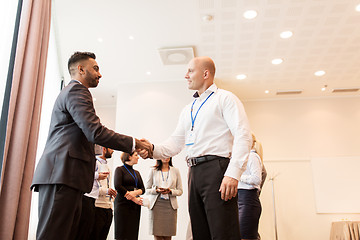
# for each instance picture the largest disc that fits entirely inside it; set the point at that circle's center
(190, 138)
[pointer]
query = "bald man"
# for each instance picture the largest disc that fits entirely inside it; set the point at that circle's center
(215, 131)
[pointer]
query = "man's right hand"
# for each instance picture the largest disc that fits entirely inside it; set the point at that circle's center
(102, 175)
(144, 148)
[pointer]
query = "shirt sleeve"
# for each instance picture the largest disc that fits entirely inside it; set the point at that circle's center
(174, 144)
(254, 169)
(150, 189)
(237, 121)
(118, 176)
(141, 183)
(178, 191)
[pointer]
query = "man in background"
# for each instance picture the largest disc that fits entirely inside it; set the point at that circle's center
(103, 204)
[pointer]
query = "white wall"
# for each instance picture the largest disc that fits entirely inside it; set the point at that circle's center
(292, 132)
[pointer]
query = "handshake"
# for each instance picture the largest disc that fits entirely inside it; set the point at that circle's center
(144, 148)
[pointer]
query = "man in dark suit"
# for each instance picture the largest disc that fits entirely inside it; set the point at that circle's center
(66, 169)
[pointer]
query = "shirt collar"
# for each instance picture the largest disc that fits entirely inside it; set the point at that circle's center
(101, 160)
(74, 80)
(212, 88)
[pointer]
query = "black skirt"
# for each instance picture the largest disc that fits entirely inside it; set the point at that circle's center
(127, 219)
(249, 213)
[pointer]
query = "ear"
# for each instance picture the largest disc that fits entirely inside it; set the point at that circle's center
(206, 74)
(80, 69)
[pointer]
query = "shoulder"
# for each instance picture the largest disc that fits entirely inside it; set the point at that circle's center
(254, 156)
(174, 169)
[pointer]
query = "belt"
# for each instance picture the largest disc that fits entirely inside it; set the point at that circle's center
(197, 160)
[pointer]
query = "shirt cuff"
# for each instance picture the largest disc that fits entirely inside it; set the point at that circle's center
(133, 146)
(233, 171)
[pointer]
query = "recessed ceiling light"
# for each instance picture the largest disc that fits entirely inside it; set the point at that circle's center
(100, 39)
(241, 76)
(320, 73)
(276, 61)
(250, 14)
(286, 34)
(131, 37)
(207, 18)
(323, 89)
(148, 73)
(358, 8)
(266, 91)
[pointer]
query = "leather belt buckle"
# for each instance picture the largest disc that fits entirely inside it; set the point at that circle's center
(191, 162)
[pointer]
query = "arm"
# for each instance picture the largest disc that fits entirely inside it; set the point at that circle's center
(80, 106)
(236, 119)
(254, 165)
(118, 176)
(150, 188)
(174, 144)
(178, 191)
(131, 195)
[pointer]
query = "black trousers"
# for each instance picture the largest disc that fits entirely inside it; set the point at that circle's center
(249, 213)
(211, 217)
(87, 218)
(59, 212)
(103, 220)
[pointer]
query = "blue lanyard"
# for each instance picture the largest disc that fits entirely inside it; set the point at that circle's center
(193, 119)
(135, 178)
(167, 177)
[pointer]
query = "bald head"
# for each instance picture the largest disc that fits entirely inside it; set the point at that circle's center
(205, 63)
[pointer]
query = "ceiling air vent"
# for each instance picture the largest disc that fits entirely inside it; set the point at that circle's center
(288, 92)
(176, 56)
(340, 90)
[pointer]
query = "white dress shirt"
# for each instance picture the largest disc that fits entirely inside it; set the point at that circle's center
(221, 128)
(251, 178)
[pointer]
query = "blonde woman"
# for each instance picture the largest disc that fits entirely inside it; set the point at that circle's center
(249, 188)
(163, 186)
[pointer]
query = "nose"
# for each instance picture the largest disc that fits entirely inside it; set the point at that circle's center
(100, 76)
(187, 75)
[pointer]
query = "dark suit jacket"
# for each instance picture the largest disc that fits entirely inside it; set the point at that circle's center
(69, 156)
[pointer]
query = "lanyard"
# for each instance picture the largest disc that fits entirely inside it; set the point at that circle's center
(135, 178)
(193, 119)
(167, 177)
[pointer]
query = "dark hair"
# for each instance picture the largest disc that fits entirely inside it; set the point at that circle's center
(159, 164)
(125, 156)
(79, 56)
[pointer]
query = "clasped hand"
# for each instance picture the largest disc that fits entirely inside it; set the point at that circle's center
(163, 190)
(144, 148)
(130, 195)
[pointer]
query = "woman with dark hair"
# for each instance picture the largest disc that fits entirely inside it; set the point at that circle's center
(163, 185)
(129, 185)
(249, 187)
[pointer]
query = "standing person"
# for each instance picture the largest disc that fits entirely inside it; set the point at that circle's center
(248, 193)
(87, 216)
(163, 186)
(66, 168)
(129, 185)
(103, 204)
(213, 128)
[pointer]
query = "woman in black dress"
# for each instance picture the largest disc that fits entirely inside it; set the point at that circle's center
(129, 185)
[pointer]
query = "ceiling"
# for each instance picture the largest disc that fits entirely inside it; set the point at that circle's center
(326, 36)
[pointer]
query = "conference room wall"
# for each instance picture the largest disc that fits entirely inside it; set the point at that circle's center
(292, 132)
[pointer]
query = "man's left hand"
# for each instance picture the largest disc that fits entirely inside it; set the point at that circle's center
(228, 188)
